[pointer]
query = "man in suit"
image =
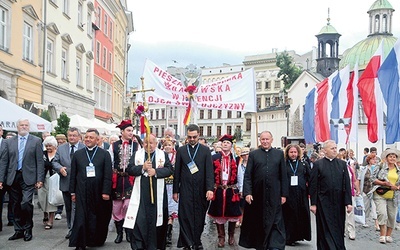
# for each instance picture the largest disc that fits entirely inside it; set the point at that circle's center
(22, 160)
(62, 165)
(2, 191)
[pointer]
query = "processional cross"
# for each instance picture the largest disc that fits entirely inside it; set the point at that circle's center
(145, 105)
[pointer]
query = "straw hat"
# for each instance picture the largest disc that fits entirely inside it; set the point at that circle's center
(390, 151)
(245, 151)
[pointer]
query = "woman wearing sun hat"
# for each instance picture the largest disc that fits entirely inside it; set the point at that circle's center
(385, 193)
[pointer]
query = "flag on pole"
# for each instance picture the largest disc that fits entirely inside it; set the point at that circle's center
(338, 90)
(352, 107)
(388, 76)
(309, 117)
(371, 96)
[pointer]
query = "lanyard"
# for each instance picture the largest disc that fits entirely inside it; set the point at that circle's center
(91, 158)
(195, 152)
(294, 170)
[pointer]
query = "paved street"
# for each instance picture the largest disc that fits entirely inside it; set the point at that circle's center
(367, 238)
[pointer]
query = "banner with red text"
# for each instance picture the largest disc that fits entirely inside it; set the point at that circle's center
(236, 92)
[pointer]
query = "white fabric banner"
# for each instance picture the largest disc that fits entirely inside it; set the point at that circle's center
(236, 92)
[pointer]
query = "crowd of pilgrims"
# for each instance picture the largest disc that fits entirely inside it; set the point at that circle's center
(149, 175)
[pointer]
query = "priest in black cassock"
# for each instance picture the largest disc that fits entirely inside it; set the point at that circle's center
(265, 188)
(90, 188)
(330, 195)
(147, 213)
(193, 187)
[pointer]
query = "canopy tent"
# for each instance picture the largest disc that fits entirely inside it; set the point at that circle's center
(109, 128)
(84, 124)
(11, 113)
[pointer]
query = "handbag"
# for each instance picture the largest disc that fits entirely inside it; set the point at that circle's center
(382, 190)
(55, 196)
(359, 211)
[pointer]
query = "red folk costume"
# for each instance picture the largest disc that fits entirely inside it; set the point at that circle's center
(226, 203)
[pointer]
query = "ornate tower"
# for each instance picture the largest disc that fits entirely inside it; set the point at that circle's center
(328, 49)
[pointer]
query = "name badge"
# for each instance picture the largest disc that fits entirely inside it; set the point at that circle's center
(192, 167)
(294, 180)
(90, 172)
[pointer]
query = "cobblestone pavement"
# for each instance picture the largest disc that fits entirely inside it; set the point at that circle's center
(367, 238)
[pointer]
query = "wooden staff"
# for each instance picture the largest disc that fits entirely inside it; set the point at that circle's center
(147, 140)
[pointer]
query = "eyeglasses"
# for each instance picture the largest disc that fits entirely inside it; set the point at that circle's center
(192, 137)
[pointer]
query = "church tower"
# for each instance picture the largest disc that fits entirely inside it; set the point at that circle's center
(328, 50)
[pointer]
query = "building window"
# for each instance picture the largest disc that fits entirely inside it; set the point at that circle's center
(27, 50)
(229, 130)
(219, 114)
(104, 57)
(277, 85)
(218, 131)
(64, 64)
(89, 24)
(66, 7)
(109, 98)
(201, 130)
(98, 17)
(229, 114)
(88, 78)
(78, 72)
(105, 30)
(267, 85)
(210, 114)
(258, 85)
(239, 114)
(4, 21)
(209, 133)
(248, 124)
(50, 56)
(162, 130)
(201, 114)
(163, 114)
(157, 114)
(267, 102)
(109, 61)
(110, 33)
(98, 52)
(80, 23)
(258, 103)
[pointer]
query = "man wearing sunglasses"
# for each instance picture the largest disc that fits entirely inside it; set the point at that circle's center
(193, 188)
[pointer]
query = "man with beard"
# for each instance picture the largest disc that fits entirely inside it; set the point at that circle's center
(265, 189)
(90, 188)
(193, 187)
(122, 183)
(330, 195)
(22, 168)
(147, 214)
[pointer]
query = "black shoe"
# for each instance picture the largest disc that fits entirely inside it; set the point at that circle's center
(17, 235)
(119, 238)
(80, 248)
(68, 234)
(28, 235)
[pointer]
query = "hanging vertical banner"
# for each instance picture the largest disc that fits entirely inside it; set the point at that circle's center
(235, 92)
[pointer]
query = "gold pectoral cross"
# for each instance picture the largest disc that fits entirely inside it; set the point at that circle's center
(161, 163)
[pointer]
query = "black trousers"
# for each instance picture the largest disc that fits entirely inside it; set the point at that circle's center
(21, 196)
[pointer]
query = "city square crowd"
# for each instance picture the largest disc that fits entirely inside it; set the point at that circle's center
(143, 185)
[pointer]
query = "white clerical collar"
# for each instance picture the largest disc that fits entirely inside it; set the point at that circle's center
(193, 145)
(328, 158)
(90, 149)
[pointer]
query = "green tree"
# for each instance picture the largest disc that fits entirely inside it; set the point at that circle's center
(45, 115)
(288, 69)
(62, 124)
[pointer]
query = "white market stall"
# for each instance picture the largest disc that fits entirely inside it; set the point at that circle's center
(10, 113)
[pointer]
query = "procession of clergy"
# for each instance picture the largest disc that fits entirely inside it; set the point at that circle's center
(144, 185)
